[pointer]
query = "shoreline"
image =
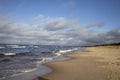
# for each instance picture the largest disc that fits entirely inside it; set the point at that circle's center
(64, 55)
(95, 63)
(38, 72)
(68, 55)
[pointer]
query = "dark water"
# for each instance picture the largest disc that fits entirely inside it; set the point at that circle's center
(16, 59)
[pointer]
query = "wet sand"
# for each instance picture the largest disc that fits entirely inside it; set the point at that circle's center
(96, 63)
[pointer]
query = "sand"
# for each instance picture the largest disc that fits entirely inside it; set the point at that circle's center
(96, 63)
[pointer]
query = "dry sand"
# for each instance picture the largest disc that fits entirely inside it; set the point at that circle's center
(96, 63)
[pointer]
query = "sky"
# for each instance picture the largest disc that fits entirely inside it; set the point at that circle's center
(59, 22)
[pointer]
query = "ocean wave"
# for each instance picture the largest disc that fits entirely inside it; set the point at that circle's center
(1, 47)
(16, 73)
(65, 51)
(15, 46)
(9, 54)
(18, 60)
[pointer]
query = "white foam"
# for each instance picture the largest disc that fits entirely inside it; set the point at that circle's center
(36, 46)
(65, 51)
(75, 49)
(62, 52)
(15, 46)
(29, 70)
(9, 54)
(57, 54)
(46, 59)
(1, 47)
(22, 47)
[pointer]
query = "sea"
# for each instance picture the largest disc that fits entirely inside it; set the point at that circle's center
(24, 62)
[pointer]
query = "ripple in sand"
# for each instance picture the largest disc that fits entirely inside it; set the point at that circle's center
(115, 63)
(118, 58)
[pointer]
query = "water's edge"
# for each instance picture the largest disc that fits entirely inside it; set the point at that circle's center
(40, 70)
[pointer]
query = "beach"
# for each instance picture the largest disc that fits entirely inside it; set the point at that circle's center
(94, 63)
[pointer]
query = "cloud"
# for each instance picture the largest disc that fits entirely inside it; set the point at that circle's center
(99, 24)
(113, 36)
(58, 24)
(53, 31)
(68, 4)
(106, 37)
(53, 24)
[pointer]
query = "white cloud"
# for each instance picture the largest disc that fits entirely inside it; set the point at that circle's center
(59, 31)
(58, 24)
